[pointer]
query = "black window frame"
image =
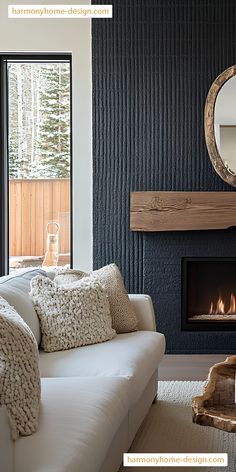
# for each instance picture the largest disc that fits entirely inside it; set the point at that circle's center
(4, 128)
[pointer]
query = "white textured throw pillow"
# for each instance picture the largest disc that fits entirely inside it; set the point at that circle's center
(124, 319)
(19, 372)
(69, 276)
(71, 316)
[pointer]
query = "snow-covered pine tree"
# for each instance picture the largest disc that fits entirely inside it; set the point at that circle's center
(15, 99)
(23, 112)
(54, 134)
(39, 120)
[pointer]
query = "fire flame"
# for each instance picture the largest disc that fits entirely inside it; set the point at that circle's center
(220, 306)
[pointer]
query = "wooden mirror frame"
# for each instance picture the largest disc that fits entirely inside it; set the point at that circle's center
(222, 170)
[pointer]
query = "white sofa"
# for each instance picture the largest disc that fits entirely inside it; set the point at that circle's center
(94, 398)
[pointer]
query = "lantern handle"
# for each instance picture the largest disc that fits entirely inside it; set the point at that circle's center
(53, 223)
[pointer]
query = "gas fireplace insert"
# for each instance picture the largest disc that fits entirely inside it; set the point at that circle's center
(209, 294)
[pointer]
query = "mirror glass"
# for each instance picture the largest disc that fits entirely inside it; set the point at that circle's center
(220, 125)
(225, 124)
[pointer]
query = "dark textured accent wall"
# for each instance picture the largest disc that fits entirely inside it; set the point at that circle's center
(153, 64)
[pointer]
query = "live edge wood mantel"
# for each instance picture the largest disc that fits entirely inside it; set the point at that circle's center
(182, 211)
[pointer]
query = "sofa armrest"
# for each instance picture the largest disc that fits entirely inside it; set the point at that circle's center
(6, 444)
(143, 308)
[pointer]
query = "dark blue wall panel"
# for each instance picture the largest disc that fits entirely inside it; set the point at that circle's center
(153, 64)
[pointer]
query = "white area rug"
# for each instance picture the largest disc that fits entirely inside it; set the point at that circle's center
(169, 428)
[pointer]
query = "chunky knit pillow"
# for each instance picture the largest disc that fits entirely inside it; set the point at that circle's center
(68, 276)
(123, 315)
(19, 372)
(71, 316)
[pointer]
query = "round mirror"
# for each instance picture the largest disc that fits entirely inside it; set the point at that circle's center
(220, 125)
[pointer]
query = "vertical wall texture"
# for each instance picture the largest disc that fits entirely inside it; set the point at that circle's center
(153, 64)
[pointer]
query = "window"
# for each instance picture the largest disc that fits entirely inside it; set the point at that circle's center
(35, 161)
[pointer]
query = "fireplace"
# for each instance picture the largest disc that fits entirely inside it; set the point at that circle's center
(209, 294)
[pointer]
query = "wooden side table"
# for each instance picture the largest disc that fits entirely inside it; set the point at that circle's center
(217, 407)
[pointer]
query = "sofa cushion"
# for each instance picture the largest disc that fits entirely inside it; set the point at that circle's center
(15, 289)
(71, 316)
(78, 421)
(134, 355)
(19, 372)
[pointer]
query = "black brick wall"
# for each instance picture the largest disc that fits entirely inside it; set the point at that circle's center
(153, 64)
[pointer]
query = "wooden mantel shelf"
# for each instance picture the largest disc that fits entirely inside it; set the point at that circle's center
(182, 211)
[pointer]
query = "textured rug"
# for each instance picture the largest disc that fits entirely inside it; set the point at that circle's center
(168, 428)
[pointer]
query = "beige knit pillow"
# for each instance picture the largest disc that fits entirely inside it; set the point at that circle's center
(123, 315)
(71, 315)
(19, 372)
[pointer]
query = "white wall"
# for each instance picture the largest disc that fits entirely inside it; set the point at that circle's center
(228, 146)
(225, 112)
(217, 135)
(65, 35)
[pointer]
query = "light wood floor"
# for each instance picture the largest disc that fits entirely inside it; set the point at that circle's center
(187, 367)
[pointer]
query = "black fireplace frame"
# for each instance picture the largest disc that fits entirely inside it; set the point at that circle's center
(187, 325)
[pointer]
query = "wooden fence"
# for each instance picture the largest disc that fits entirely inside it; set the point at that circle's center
(33, 203)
